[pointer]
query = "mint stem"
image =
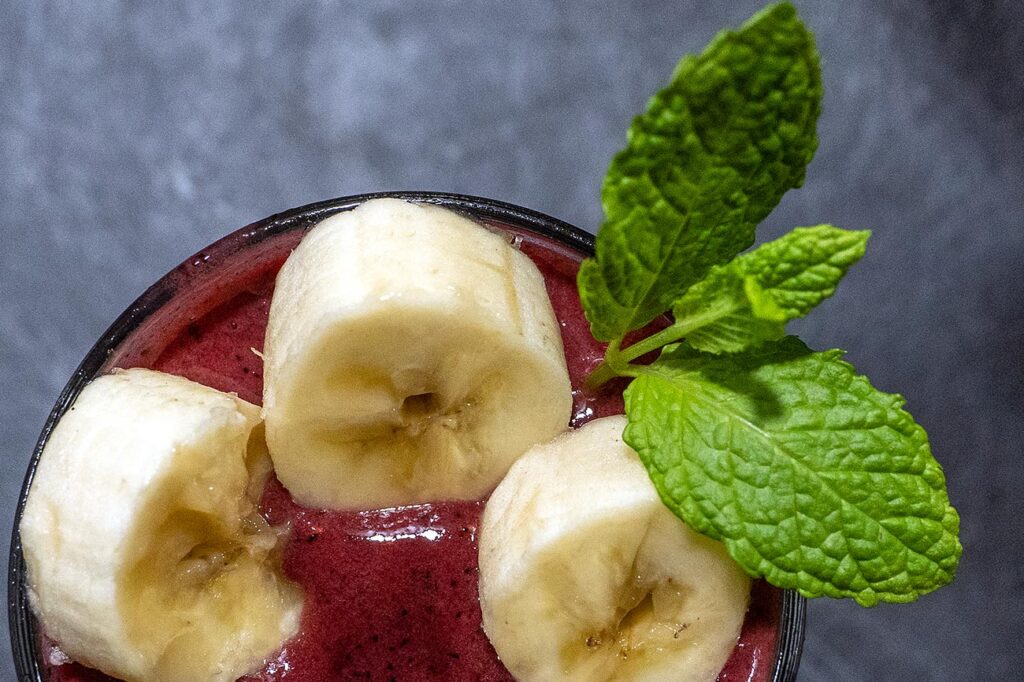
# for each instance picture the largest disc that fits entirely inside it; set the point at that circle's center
(655, 341)
(610, 367)
(602, 374)
(616, 361)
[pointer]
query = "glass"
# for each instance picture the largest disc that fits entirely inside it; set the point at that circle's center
(771, 642)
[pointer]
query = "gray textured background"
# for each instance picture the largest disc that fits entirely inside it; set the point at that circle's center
(130, 138)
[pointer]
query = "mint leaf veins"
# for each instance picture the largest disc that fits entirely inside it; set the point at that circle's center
(710, 158)
(748, 301)
(810, 476)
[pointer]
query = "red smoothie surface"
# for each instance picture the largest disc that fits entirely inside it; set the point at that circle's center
(390, 594)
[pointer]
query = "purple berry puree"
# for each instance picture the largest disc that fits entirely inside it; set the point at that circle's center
(391, 594)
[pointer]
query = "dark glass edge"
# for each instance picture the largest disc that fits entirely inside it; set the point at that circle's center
(22, 623)
(791, 636)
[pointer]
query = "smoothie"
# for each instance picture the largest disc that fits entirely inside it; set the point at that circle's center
(389, 594)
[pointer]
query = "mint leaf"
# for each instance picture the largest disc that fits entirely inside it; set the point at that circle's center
(748, 301)
(810, 476)
(709, 159)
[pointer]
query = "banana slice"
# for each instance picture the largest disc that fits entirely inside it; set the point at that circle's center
(411, 355)
(585, 575)
(146, 556)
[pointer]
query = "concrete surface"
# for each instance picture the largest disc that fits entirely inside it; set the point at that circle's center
(132, 136)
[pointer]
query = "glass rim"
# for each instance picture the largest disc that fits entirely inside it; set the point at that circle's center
(23, 633)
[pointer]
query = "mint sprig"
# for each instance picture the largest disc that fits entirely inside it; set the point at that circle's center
(810, 476)
(707, 161)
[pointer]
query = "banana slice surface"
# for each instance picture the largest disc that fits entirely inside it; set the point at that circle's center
(146, 556)
(585, 575)
(411, 355)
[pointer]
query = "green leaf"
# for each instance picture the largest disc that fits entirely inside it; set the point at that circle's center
(709, 159)
(747, 301)
(811, 477)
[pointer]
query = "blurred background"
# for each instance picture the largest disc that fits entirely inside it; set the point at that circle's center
(131, 137)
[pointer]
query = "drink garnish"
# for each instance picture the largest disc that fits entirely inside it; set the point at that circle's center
(811, 477)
